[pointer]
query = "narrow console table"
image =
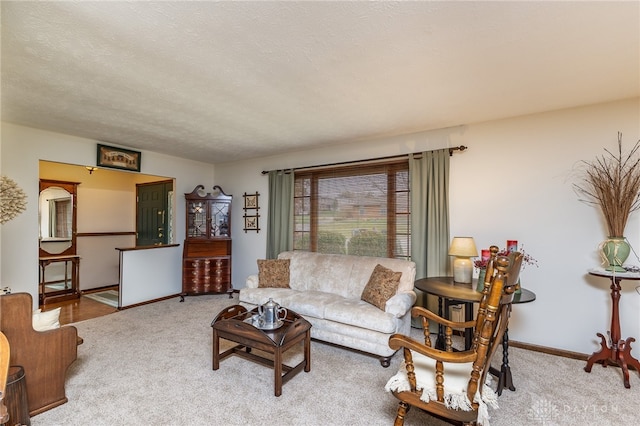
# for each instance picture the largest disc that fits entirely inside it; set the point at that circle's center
(617, 350)
(70, 280)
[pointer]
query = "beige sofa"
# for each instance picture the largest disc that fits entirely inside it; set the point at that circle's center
(326, 290)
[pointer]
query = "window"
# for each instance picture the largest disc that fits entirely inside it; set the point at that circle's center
(61, 218)
(360, 210)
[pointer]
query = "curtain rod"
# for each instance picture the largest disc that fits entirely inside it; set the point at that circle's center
(451, 151)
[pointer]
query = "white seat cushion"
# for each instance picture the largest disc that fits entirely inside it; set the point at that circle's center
(456, 379)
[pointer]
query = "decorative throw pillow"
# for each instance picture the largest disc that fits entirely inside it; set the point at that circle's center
(48, 320)
(273, 273)
(382, 286)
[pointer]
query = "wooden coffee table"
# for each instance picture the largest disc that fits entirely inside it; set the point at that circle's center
(234, 324)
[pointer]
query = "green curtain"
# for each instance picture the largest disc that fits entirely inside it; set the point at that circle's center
(429, 185)
(280, 213)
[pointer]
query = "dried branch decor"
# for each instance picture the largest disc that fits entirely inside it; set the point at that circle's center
(13, 200)
(612, 181)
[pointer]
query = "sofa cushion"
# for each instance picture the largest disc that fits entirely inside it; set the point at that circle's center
(311, 303)
(345, 275)
(319, 272)
(361, 314)
(260, 296)
(382, 286)
(273, 273)
(305, 303)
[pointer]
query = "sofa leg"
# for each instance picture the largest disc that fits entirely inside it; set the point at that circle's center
(385, 361)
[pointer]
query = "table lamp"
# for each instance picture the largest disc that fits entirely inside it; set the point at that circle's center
(463, 248)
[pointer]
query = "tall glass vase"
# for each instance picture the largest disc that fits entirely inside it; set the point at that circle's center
(615, 250)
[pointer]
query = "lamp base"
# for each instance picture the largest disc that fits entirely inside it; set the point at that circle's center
(462, 270)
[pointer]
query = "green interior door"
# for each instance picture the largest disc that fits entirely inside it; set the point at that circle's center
(153, 218)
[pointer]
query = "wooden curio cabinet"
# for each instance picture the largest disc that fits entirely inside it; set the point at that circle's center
(206, 256)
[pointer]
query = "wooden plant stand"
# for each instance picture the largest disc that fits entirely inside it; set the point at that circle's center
(619, 350)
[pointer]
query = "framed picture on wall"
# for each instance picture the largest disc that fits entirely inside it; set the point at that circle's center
(118, 158)
(251, 201)
(251, 223)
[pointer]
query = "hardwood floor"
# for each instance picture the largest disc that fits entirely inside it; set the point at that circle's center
(79, 309)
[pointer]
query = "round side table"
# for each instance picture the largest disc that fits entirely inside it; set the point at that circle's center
(452, 293)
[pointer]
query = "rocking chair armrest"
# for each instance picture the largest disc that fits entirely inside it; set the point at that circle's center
(398, 341)
(419, 311)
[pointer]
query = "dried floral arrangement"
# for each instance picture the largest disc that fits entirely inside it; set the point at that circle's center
(13, 200)
(527, 259)
(612, 181)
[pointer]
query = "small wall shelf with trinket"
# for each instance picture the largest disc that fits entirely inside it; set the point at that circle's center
(206, 255)
(251, 215)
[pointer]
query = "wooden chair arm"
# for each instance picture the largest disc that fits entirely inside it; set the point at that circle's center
(398, 341)
(419, 311)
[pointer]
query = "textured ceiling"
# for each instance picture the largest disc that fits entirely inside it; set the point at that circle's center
(224, 81)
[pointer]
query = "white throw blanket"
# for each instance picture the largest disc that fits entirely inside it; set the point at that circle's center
(456, 379)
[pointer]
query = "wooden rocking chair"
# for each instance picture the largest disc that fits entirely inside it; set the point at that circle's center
(448, 384)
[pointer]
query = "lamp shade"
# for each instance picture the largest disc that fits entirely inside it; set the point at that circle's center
(463, 247)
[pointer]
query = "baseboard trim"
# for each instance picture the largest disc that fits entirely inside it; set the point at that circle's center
(165, 298)
(558, 352)
(99, 289)
(148, 302)
(549, 350)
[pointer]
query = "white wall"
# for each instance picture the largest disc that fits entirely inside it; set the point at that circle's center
(525, 161)
(514, 182)
(100, 261)
(166, 272)
(22, 148)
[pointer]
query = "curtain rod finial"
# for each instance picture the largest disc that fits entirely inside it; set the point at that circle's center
(457, 148)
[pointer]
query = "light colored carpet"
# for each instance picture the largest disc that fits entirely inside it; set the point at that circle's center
(151, 365)
(108, 297)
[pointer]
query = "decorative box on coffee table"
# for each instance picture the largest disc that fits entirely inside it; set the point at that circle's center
(206, 256)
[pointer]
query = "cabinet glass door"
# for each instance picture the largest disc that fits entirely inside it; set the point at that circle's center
(219, 219)
(196, 219)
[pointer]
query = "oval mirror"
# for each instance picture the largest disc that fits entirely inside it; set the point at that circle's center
(57, 219)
